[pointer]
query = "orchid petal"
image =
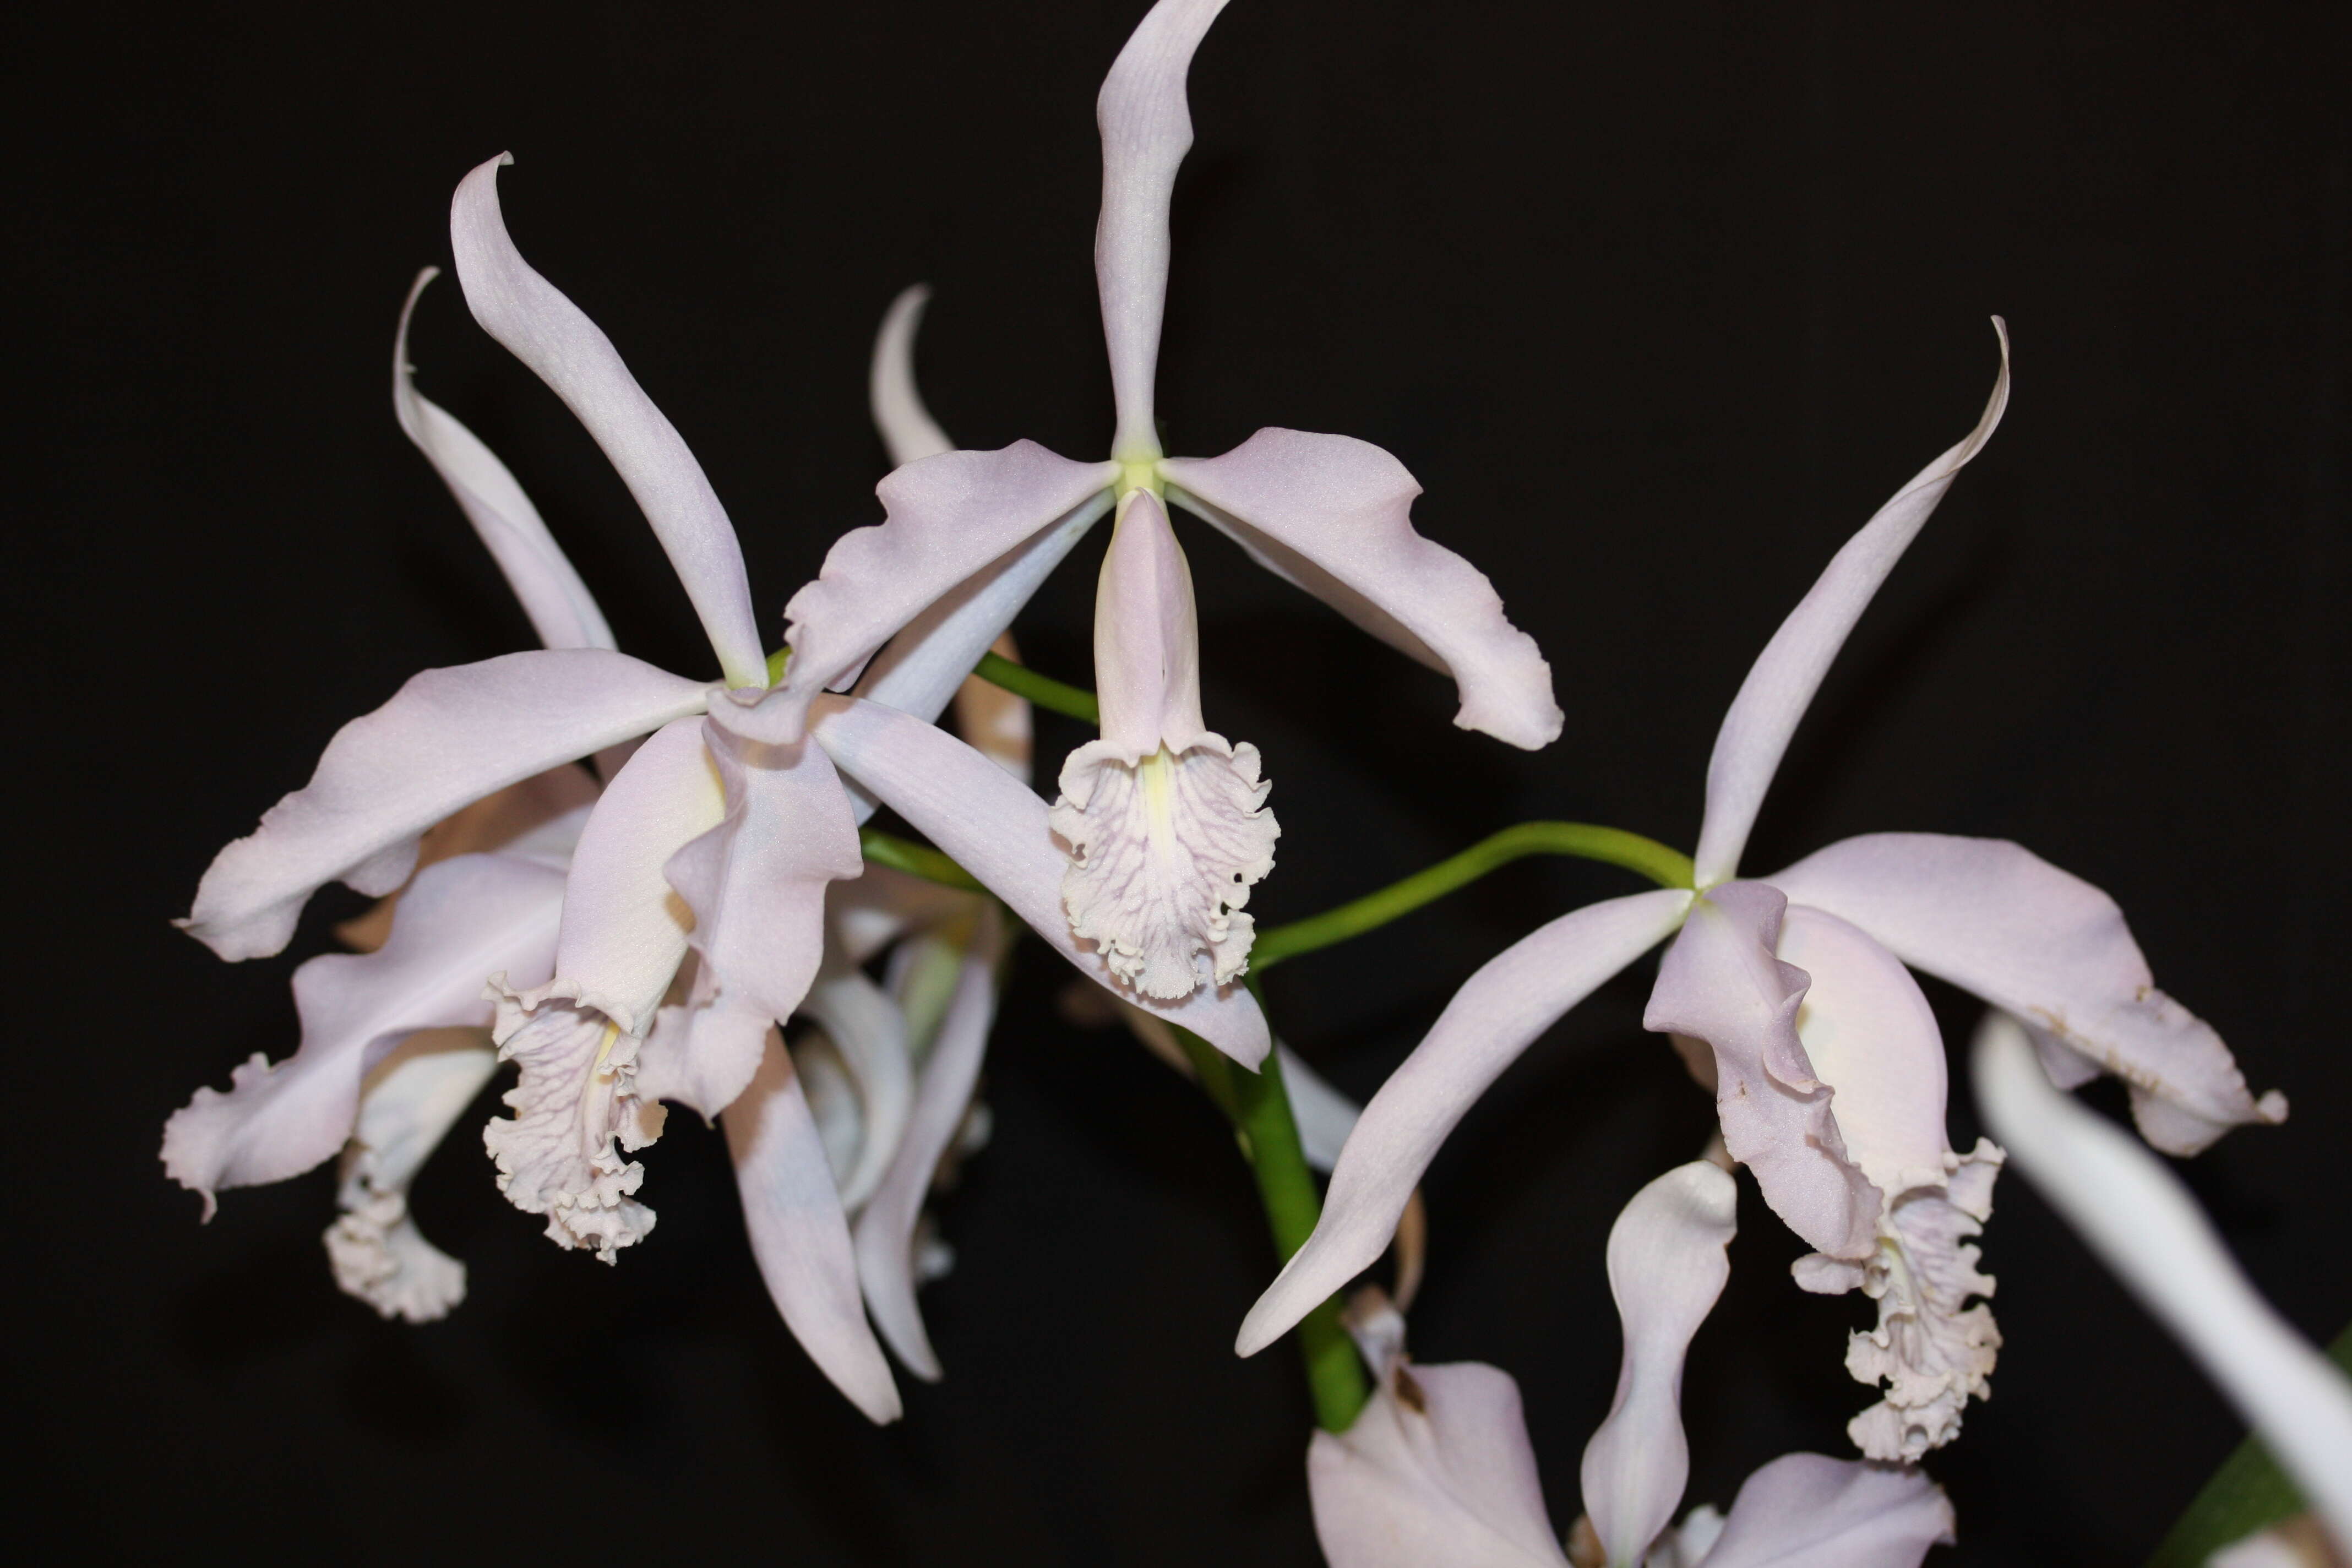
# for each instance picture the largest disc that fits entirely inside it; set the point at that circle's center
(537, 820)
(2141, 1221)
(577, 1099)
(1666, 1267)
(1437, 1468)
(965, 540)
(1333, 515)
(756, 884)
(1781, 682)
(448, 737)
(625, 927)
(1720, 983)
(1870, 1036)
(564, 349)
(1324, 1116)
(1822, 1513)
(882, 905)
(996, 830)
(908, 431)
(412, 1100)
(885, 1234)
(800, 1236)
(1146, 130)
(2033, 940)
(1519, 993)
(1147, 636)
(997, 724)
(462, 920)
(870, 1031)
(560, 608)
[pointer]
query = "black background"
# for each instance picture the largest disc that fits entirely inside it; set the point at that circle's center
(1658, 302)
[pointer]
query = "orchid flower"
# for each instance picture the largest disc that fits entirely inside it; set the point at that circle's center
(2141, 1220)
(1439, 1469)
(1826, 1064)
(702, 841)
(1163, 818)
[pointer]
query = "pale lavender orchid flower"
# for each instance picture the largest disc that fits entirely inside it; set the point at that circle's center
(2143, 1222)
(1165, 819)
(1828, 1069)
(702, 842)
(1438, 1467)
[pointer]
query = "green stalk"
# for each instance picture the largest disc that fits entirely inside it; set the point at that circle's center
(915, 859)
(1614, 846)
(1258, 1104)
(1042, 690)
(2248, 1493)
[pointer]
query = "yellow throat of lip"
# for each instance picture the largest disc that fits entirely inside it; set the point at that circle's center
(1157, 775)
(604, 1050)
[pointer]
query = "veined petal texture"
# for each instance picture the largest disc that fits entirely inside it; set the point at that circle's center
(2048, 947)
(447, 738)
(560, 608)
(464, 920)
(1818, 1512)
(996, 828)
(1333, 515)
(1147, 129)
(1517, 995)
(1666, 1267)
(1780, 684)
(1720, 983)
(564, 349)
(2141, 1221)
(576, 1109)
(799, 1235)
(978, 527)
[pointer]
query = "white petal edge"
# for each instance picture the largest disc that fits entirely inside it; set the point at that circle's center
(1514, 997)
(446, 739)
(1667, 1265)
(2143, 1224)
(561, 610)
(800, 1236)
(908, 431)
(563, 348)
(1780, 685)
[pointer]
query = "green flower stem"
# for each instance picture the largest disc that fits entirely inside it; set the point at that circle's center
(1258, 1104)
(915, 859)
(1043, 690)
(1667, 868)
(2248, 1493)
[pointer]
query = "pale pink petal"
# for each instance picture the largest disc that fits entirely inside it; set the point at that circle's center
(1870, 1036)
(560, 608)
(1146, 132)
(412, 1100)
(884, 1233)
(1807, 1510)
(799, 1236)
(538, 819)
(1518, 994)
(576, 1109)
(2142, 1222)
(1781, 683)
(1666, 1267)
(1147, 636)
(2032, 940)
(1720, 983)
(992, 826)
(908, 431)
(625, 927)
(1324, 1116)
(883, 905)
(868, 1030)
(967, 536)
(1437, 1470)
(446, 739)
(700, 1056)
(756, 884)
(1333, 515)
(463, 920)
(550, 334)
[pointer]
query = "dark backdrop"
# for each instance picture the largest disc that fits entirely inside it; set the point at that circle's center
(1659, 302)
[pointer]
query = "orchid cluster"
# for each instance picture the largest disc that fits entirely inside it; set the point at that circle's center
(641, 889)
